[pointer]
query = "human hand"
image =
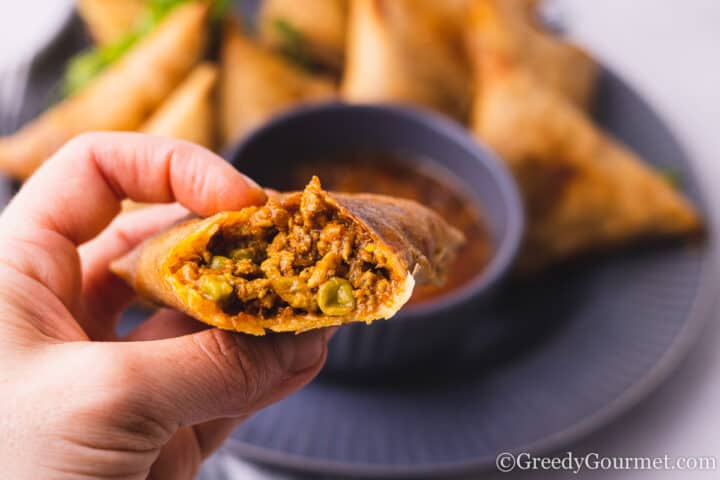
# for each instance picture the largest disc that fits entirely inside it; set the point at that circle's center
(77, 402)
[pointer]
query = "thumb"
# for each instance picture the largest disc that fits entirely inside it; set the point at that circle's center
(214, 374)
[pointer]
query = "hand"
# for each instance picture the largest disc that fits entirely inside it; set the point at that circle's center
(77, 402)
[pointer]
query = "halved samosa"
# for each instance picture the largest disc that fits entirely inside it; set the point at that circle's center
(121, 98)
(511, 30)
(110, 20)
(304, 260)
(256, 83)
(188, 113)
(408, 51)
(583, 190)
(316, 29)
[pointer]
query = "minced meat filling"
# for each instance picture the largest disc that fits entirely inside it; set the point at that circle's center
(285, 262)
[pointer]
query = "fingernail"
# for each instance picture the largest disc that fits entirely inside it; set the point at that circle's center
(300, 352)
(252, 183)
(256, 189)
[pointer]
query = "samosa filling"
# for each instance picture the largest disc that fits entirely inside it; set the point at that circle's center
(289, 260)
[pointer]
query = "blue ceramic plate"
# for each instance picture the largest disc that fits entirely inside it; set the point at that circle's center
(581, 345)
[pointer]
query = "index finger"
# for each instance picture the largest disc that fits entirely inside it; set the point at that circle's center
(78, 192)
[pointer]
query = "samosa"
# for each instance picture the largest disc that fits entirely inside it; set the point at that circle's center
(121, 98)
(408, 51)
(256, 83)
(188, 113)
(110, 20)
(257, 269)
(583, 190)
(315, 29)
(511, 29)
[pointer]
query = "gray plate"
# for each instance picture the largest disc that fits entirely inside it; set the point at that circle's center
(581, 345)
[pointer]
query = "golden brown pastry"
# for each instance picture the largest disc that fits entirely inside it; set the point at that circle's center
(188, 113)
(304, 260)
(257, 83)
(316, 29)
(408, 51)
(583, 190)
(121, 98)
(511, 30)
(110, 20)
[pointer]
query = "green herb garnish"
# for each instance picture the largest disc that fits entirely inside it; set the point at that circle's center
(87, 65)
(671, 175)
(158, 9)
(293, 43)
(220, 8)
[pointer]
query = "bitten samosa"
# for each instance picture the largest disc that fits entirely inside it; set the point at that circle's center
(511, 30)
(256, 83)
(583, 190)
(304, 260)
(314, 29)
(121, 98)
(408, 51)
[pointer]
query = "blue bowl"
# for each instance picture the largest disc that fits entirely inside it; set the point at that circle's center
(423, 332)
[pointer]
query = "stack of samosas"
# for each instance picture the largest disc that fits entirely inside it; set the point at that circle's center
(583, 190)
(164, 85)
(488, 64)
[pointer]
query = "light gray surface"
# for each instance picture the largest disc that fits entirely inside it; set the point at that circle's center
(28, 26)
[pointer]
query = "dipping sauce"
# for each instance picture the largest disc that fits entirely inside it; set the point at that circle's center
(423, 182)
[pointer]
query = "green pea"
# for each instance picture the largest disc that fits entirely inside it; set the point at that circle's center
(218, 262)
(216, 287)
(335, 297)
(242, 254)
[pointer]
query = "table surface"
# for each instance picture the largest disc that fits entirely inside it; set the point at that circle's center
(670, 51)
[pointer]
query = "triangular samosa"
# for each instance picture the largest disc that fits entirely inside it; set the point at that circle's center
(256, 83)
(583, 190)
(188, 112)
(408, 51)
(121, 98)
(315, 29)
(512, 30)
(110, 20)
